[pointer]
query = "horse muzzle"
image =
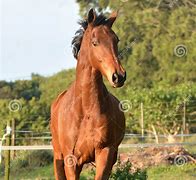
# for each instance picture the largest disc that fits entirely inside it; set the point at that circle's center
(118, 79)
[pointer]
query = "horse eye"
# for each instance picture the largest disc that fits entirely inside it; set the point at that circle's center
(95, 43)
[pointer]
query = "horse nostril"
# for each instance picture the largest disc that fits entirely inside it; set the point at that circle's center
(121, 78)
(115, 78)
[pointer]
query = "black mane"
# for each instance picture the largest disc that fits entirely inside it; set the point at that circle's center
(77, 40)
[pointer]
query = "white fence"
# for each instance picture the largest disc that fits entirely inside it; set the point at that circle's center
(124, 144)
(49, 147)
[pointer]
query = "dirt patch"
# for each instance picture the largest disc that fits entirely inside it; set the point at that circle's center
(146, 157)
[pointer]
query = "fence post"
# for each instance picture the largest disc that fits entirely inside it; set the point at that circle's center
(13, 137)
(184, 119)
(7, 155)
(142, 120)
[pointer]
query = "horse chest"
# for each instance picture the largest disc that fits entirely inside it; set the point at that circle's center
(97, 131)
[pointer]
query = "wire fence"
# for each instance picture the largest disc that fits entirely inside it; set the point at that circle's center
(129, 141)
(34, 139)
(122, 146)
(128, 135)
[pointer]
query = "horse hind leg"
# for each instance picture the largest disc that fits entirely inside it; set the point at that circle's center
(59, 167)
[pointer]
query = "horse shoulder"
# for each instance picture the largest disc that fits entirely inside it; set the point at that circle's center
(59, 97)
(59, 101)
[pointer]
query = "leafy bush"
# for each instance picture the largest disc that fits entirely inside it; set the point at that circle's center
(1, 169)
(40, 158)
(20, 163)
(32, 160)
(122, 172)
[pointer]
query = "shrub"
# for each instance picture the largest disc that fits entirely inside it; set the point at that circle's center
(20, 163)
(1, 170)
(39, 158)
(122, 172)
(32, 160)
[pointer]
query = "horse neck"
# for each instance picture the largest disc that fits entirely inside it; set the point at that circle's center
(89, 83)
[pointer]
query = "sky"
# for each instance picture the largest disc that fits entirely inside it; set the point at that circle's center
(35, 37)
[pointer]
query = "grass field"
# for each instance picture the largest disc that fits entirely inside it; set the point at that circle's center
(186, 172)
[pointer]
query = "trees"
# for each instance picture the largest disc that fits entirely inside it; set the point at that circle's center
(161, 30)
(28, 101)
(157, 47)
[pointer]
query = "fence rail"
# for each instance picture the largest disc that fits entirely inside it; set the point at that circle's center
(49, 147)
(126, 136)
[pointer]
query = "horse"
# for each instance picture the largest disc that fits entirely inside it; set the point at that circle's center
(87, 124)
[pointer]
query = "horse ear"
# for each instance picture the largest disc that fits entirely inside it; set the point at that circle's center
(91, 15)
(112, 18)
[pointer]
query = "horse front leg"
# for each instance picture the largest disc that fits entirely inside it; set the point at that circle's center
(59, 167)
(72, 169)
(105, 159)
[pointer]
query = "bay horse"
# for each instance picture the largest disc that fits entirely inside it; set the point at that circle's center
(87, 124)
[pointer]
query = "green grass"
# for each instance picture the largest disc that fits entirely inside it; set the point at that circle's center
(186, 172)
(45, 173)
(41, 173)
